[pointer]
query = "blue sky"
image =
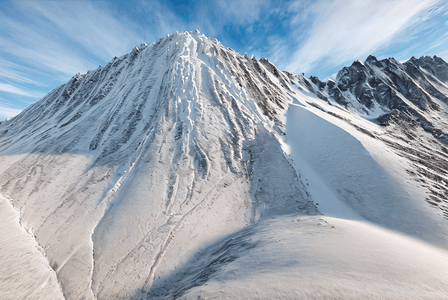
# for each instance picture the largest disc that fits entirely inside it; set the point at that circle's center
(44, 43)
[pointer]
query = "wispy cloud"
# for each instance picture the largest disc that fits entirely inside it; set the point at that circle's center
(32, 47)
(241, 12)
(17, 73)
(9, 74)
(161, 19)
(345, 30)
(92, 27)
(42, 44)
(6, 112)
(444, 55)
(67, 37)
(7, 88)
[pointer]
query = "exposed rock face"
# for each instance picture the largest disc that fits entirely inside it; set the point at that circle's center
(364, 86)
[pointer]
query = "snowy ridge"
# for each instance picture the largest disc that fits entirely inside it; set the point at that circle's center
(409, 101)
(184, 169)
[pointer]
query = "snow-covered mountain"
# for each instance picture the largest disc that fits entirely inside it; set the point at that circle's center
(410, 102)
(184, 169)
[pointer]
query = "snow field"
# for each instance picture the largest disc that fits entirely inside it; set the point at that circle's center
(24, 270)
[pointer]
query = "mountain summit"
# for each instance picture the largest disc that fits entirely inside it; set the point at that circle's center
(184, 169)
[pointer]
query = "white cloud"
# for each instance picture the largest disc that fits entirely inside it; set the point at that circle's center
(242, 12)
(94, 28)
(161, 19)
(7, 88)
(6, 112)
(67, 37)
(33, 48)
(17, 77)
(443, 55)
(10, 71)
(346, 30)
(54, 40)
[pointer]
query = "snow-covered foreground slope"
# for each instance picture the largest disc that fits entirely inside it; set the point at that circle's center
(362, 178)
(168, 173)
(301, 257)
(378, 238)
(151, 154)
(24, 272)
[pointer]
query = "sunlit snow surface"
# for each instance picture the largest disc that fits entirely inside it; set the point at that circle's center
(339, 255)
(24, 271)
(185, 170)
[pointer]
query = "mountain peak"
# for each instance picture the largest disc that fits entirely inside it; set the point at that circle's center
(185, 115)
(171, 70)
(371, 59)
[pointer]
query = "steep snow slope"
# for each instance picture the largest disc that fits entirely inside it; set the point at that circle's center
(409, 103)
(361, 171)
(24, 272)
(152, 152)
(167, 173)
(379, 238)
(294, 256)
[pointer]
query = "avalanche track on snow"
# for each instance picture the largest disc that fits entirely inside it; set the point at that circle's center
(185, 170)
